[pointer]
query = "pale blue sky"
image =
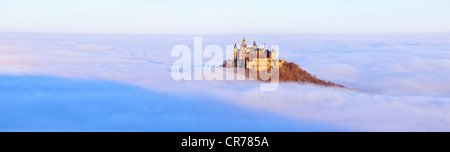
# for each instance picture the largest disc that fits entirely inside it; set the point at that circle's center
(225, 17)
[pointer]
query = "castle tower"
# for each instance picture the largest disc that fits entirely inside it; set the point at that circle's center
(235, 52)
(235, 55)
(273, 55)
(243, 42)
(254, 45)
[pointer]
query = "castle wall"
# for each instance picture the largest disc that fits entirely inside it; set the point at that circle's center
(252, 58)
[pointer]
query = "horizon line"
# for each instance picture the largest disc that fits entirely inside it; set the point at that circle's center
(232, 34)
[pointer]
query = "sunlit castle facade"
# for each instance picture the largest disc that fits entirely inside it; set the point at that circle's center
(253, 58)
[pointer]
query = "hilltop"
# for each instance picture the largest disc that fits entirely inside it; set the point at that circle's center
(290, 71)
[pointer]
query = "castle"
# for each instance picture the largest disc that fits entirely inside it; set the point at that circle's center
(253, 58)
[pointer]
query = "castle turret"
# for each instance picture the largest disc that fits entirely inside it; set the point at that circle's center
(235, 54)
(243, 42)
(254, 45)
(273, 55)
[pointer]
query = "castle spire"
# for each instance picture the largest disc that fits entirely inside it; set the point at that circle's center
(243, 42)
(254, 43)
(235, 46)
